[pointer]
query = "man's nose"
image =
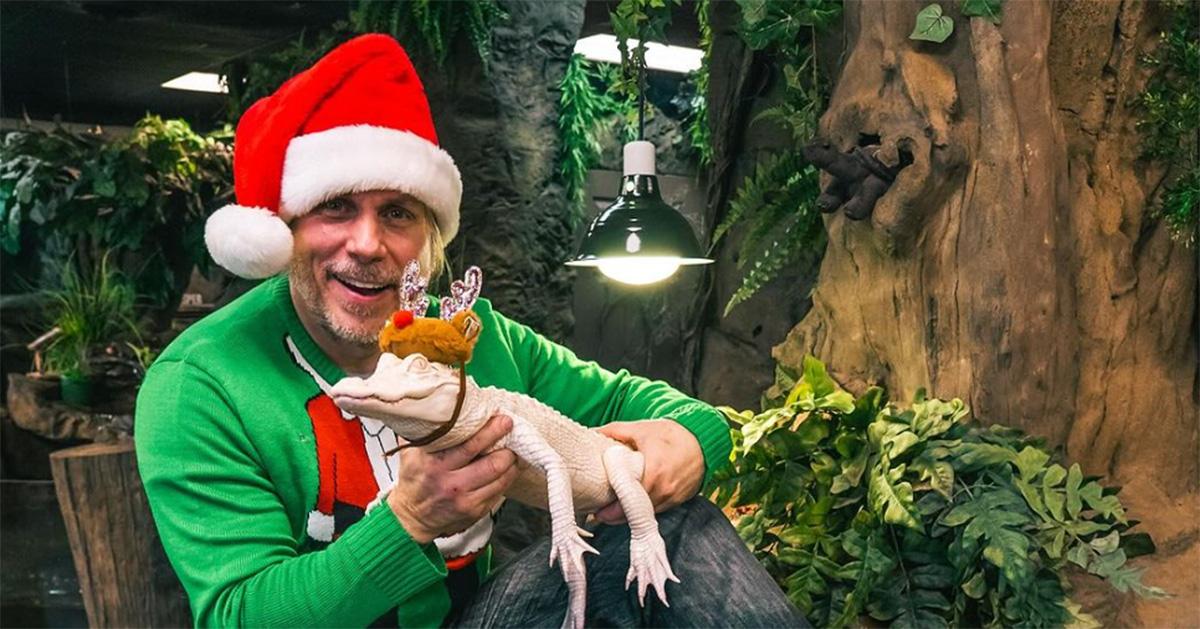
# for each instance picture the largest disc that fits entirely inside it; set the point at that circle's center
(365, 239)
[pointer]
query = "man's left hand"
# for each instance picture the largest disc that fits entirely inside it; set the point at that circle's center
(674, 465)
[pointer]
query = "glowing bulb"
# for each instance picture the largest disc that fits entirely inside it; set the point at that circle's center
(638, 270)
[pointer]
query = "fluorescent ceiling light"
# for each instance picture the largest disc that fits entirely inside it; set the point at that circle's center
(198, 82)
(658, 57)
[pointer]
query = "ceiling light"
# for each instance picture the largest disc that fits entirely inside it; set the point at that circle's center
(658, 57)
(198, 82)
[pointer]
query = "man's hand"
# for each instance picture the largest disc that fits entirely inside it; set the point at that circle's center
(674, 463)
(446, 492)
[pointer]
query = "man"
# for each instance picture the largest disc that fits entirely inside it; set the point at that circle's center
(263, 491)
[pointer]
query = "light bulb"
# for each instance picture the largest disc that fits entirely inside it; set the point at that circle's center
(638, 270)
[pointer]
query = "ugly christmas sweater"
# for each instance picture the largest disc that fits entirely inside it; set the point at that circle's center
(260, 486)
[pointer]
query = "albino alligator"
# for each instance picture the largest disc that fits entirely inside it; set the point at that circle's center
(571, 469)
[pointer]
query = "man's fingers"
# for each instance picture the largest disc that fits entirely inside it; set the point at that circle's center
(621, 431)
(487, 468)
(488, 492)
(465, 452)
(611, 513)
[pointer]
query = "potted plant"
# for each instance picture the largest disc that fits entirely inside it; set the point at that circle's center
(88, 309)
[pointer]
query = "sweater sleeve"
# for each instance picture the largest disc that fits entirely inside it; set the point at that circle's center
(595, 396)
(226, 531)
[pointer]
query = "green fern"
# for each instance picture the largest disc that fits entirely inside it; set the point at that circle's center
(432, 26)
(582, 107)
(780, 197)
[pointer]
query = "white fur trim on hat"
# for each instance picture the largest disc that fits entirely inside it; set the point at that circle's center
(357, 158)
(251, 242)
(320, 526)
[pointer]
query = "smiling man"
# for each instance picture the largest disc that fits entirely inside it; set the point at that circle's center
(264, 492)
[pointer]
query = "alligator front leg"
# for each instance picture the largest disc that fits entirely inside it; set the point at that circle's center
(647, 552)
(566, 544)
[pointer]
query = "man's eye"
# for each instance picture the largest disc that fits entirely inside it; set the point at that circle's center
(334, 206)
(398, 213)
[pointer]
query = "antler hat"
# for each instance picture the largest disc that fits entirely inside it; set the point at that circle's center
(357, 120)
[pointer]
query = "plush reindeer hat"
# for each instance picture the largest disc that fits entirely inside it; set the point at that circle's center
(449, 339)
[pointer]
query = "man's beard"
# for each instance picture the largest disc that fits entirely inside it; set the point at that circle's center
(302, 277)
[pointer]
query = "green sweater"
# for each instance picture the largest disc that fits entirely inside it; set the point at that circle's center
(228, 454)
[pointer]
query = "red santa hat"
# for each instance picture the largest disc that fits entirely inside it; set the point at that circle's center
(357, 120)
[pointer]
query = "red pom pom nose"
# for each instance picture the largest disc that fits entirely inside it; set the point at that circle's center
(402, 318)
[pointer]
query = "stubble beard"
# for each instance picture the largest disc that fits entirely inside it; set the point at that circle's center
(303, 278)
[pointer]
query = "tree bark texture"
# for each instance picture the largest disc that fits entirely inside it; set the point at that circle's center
(123, 572)
(1014, 263)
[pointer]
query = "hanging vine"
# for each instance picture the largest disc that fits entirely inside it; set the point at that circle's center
(1170, 123)
(698, 131)
(584, 104)
(777, 204)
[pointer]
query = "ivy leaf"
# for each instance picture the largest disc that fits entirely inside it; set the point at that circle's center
(976, 586)
(1054, 475)
(851, 475)
(1107, 506)
(989, 9)
(1030, 461)
(1107, 564)
(1130, 580)
(932, 25)
(972, 456)
(1074, 478)
(891, 498)
(1106, 544)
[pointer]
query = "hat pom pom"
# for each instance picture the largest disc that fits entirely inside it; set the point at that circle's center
(251, 242)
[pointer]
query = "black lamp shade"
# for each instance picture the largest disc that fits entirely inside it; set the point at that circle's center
(639, 224)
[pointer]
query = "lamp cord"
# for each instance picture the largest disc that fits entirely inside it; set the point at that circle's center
(642, 88)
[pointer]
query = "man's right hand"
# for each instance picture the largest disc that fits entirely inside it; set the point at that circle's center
(445, 492)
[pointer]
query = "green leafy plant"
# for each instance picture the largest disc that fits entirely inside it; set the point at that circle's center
(141, 199)
(427, 28)
(698, 132)
(89, 308)
(432, 26)
(916, 516)
(932, 25)
(1170, 119)
(777, 203)
(987, 9)
(583, 107)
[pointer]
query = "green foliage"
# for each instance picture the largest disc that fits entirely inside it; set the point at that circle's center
(777, 203)
(89, 308)
(141, 198)
(698, 131)
(644, 21)
(932, 25)
(1170, 119)
(432, 26)
(582, 109)
(427, 28)
(915, 516)
(989, 9)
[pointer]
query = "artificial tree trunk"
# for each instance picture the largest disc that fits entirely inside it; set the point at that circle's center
(1014, 263)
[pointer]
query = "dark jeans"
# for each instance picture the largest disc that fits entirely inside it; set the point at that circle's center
(721, 584)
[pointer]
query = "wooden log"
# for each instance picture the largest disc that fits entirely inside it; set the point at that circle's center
(123, 573)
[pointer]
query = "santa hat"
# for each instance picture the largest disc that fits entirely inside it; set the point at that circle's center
(357, 120)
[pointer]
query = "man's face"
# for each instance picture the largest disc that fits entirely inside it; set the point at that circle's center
(347, 258)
